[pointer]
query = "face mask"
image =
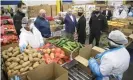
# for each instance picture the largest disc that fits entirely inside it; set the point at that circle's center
(23, 25)
(43, 15)
(121, 9)
(80, 13)
(24, 11)
(96, 12)
(31, 27)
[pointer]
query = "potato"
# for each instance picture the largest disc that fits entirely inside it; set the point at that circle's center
(15, 53)
(25, 58)
(30, 68)
(22, 70)
(18, 67)
(29, 47)
(21, 56)
(25, 64)
(35, 64)
(26, 51)
(36, 59)
(10, 59)
(9, 54)
(8, 63)
(18, 73)
(41, 61)
(5, 56)
(26, 68)
(30, 65)
(24, 54)
(25, 72)
(9, 73)
(34, 51)
(15, 59)
(4, 52)
(39, 55)
(8, 68)
(30, 57)
(21, 62)
(34, 55)
(15, 72)
(13, 65)
(10, 49)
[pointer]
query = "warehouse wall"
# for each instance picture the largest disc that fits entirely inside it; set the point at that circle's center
(39, 2)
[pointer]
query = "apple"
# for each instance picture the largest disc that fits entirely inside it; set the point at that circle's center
(53, 50)
(52, 55)
(57, 54)
(48, 51)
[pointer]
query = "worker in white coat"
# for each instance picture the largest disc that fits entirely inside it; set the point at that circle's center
(29, 35)
(113, 62)
(120, 13)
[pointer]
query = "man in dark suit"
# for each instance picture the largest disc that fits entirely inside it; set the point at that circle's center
(107, 13)
(17, 18)
(70, 24)
(81, 27)
(98, 23)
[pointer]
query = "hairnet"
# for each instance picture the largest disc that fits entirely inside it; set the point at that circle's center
(117, 37)
(25, 20)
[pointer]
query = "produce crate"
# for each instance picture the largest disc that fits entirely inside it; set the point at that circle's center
(51, 38)
(71, 53)
(22, 76)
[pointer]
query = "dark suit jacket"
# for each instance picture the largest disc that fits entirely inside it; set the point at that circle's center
(109, 15)
(69, 24)
(98, 24)
(81, 27)
(17, 21)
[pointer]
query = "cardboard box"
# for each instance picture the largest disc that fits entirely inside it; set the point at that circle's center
(65, 7)
(48, 10)
(90, 52)
(127, 32)
(51, 71)
(9, 45)
(53, 8)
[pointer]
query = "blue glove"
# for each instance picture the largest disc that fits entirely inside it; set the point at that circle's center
(15, 78)
(23, 47)
(93, 65)
(98, 56)
(41, 44)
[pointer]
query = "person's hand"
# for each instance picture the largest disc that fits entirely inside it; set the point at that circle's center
(98, 56)
(15, 78)
(41, 44)
(92, 60)
(23, 47)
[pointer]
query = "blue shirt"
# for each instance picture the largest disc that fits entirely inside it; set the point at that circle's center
(43, 26)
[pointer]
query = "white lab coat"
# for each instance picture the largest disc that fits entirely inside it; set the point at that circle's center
(115, 62)
(122, 15)
(33, 39)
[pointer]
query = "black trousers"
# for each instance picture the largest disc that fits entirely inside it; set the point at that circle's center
(82, 38)
(18, 32)
(95, 36)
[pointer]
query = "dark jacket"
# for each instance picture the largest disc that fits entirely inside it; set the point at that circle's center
(43, 26)
(69, 24)
(98, 24)
(17, 18)
(108, 16)
(81, 26)
(81, 29)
